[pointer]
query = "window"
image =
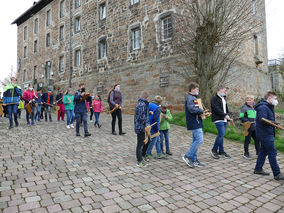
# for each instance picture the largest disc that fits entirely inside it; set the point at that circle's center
(47, 39)
(77, 3)
(48, 18)
(25, 33)
(25, 75)
(61, 64)
(255, 45)
(102, 11)
(25, 52)
(102, 49)
(78, 58)
(62, 9)
(77, 24)
(35, 46)
(36, 26)
(134, 2)
(135, 38)
(61, 33)
(167, 28)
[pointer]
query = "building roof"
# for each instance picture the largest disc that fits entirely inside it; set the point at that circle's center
(37, 6)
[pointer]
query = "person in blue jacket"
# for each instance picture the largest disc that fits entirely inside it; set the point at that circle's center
(47, 99)
(11, 98)
(154, 108)
(266, 134)
(81, 110)
(194, 123)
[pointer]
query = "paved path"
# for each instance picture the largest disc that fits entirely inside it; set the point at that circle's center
(45, 168)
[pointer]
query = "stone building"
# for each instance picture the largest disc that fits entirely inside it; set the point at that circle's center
(124, 41)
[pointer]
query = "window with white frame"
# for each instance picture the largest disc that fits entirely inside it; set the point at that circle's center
(25, 75)
(61, 64)
(25, 51)
(102, 49)
(62, 9)
(77, 24)
(47, 39)
(167, 28)
(77, 3)
(135, 38)
(78, 58)
(134, 2)
(102, 11)
(35, 46)
(25, 33)
(48, 17)
(61, 33)
(36, 26)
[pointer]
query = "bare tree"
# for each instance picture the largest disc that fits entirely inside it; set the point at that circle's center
(209, 35)
(7, 80)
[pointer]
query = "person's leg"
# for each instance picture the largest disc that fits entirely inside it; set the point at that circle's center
(222, 134)
(272, 154)
(49, 113)
(218, 137)
(260, 159)
(33, 115)
(197, 139)
(247, 142)
(96, 119)
(91, 114)
(10, 111)
(113, 115)
(15, 112)
(85, 121)
(78, 122)
(256, 142)
(27, 117)
(162, 140)
(59, 112)
(145, 147)
(72, 117)
(63, 112)
(152, 143)
(45, 112)
(68, 112)
(139, 147)
(158, 146)
(167, 141)
(119, 116)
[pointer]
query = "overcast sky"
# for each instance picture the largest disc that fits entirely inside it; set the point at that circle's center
(11, 9)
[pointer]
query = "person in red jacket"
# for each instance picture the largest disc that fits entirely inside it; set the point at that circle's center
(29, 98)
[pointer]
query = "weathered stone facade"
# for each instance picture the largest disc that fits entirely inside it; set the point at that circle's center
(153, 65)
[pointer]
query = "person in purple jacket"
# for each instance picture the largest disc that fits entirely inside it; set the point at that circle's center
(115, 99)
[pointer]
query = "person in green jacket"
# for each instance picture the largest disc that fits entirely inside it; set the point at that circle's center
(68, 101)
(20, 107)
(166, 116)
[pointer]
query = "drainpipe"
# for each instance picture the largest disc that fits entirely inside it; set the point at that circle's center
(70, 43)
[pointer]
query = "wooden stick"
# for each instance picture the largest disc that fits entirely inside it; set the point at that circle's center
(278, 126)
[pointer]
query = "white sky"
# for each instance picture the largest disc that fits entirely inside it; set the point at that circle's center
(12, 9)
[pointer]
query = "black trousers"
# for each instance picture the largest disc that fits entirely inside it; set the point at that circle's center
(139, 147)
(145, 147)
(247, 142)
(116, 113)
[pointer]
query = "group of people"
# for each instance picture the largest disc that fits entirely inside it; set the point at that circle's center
(151, 120)
(149, 115)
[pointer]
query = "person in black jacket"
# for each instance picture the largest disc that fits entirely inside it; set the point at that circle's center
(220, 116)
(266, 134)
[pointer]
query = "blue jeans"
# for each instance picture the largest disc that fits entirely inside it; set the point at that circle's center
(12, 109)
(70, 116)
(32, 115)
(197, 139)
(164, 133)
(97, 117)
(92, 113)
(38, 112)
(81, 116)
(267, 147)
(155, 140)
(219, 142)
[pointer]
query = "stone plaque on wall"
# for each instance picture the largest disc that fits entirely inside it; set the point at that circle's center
(164, 80)
(100, 89)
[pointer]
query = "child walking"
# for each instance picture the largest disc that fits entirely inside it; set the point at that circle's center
(39, 103)
(68, 101)
(97, 108)
(166, 116)
(141, 120)
(20, 107)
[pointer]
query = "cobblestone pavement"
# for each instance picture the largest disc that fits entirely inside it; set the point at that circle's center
(46, 168)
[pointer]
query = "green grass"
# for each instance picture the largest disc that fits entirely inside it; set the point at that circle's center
(279, 111)
(232, 133)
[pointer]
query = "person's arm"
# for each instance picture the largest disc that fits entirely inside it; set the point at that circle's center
(263, 113)
(169, 115)
(243, 115)
(156, 116)
(111, 98)
(191, 106)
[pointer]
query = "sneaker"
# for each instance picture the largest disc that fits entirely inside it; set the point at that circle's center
(149, 156)
(247, 156)
(78, 134)
(169, 153)
(33, 123)
(68, 127)
(91, 121)
(280, 176)
(11, 127)
(122, 133)
(87, 134)
(214, 154)
(161, 156)
(72, 126)
(142, 164)
(145, 159)
(262, 172)
(16, 123)
(28, 123)
(197, 163)
(188, 161)
(224, 154)
(99, 125)
(114, 133)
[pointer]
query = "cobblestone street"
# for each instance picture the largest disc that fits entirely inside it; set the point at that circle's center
(46, 168)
